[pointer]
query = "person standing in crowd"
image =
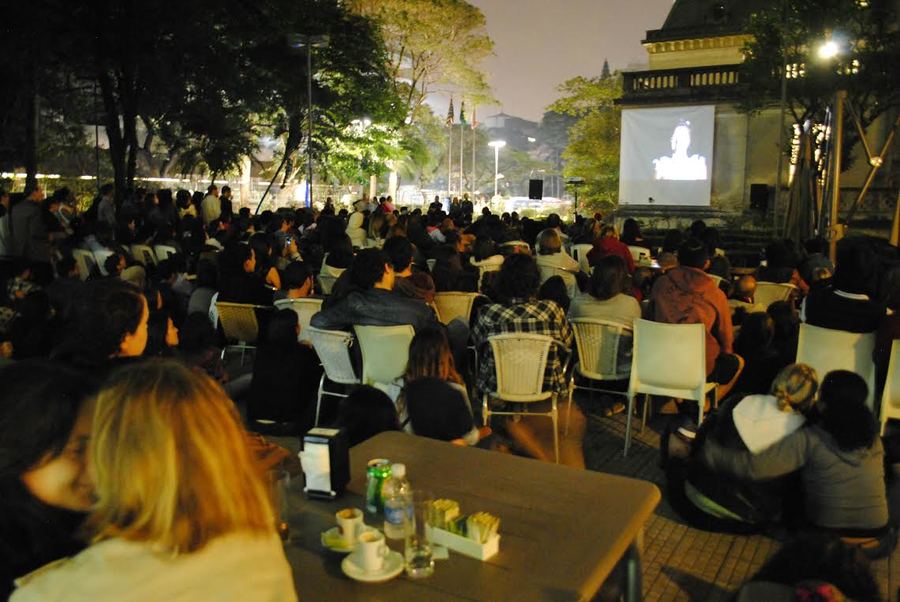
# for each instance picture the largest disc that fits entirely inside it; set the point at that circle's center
(28, 232)
(106, 205)
(226, 204)
(211, 206)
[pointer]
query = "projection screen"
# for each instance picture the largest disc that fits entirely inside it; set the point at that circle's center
(666, 156)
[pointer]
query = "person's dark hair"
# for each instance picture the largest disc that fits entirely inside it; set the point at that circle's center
(39, 403)
(400, 252)
(282, 331)
(856, 267)
(483, 248)
(111, 264)
(778, 255)
(157, 327)
(226, 188)
(693, 254)
(822, 557)
(436, 409)
(631, 231)
(196, 334)
(712, 240)
(844, 412)
(519, 278)
(554, 289)
(697, 228)
(340, 252)
(673, 241)
(261, 244)
(182, 198)
(816, 245)
(608, 278)
(207, 274)
(102, 314)
(295, 275)
(757, 332)
(785, 318)
(231, 260)
(368, 268)
(365, 412)
(553, 221)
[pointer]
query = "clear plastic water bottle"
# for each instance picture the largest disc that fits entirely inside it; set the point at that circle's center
(397, 496)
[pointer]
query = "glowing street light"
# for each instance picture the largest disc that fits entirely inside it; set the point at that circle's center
(497, 145)
(828, 50)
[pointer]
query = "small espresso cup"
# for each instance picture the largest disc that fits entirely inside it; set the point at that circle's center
(350, 522)
(371, 550)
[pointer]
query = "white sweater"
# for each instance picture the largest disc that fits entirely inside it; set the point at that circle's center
(239, 567)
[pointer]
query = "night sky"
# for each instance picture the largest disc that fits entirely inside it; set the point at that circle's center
(541, 43)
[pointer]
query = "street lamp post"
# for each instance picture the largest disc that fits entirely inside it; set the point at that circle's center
(497, 145)
(309, 42)
(828, 51)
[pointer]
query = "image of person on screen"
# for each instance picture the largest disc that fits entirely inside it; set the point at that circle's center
(680, 166)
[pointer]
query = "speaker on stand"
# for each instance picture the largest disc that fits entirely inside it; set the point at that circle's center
(536, 189)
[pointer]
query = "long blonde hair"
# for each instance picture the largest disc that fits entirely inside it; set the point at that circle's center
(172, 462)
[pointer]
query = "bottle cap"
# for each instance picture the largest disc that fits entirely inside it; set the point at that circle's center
(398, 470)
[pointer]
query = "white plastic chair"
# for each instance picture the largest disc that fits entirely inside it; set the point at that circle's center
(512, 245)
(520, 360)
(484, 269)
(385, 352)
(598, 342)
(305, 309)
(333, 349)
(213, 310)
(768, 293)
(825, 350)
(85, 262)
(164, 251)
(143, 254)
(100, 257)
(326, 283)
(669, 360)
(717, 279)
(890, 398)
(240, 325)
(641, 255)
(548, 272)
(579, 254)
(452, 305)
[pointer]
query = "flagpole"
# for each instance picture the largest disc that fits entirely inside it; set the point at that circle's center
(450, 163)
(474, 125)
(462, 131)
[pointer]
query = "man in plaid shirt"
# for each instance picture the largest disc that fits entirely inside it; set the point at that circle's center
(518, 283)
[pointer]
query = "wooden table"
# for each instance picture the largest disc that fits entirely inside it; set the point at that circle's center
(562, 529)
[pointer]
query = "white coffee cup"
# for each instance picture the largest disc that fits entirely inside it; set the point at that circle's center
(350, 522)
(371, 550)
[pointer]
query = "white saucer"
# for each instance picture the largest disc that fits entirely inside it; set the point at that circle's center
(393, 566)
(332, 535)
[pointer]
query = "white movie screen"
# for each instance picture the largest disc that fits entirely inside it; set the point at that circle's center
(666, 156)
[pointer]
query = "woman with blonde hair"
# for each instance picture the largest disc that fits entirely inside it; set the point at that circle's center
(182, 511)
(750, 424)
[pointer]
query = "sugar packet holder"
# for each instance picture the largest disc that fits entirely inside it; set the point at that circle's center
(465, 546)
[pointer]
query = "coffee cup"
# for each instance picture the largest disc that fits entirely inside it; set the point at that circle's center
(350, 522)
(371, 550)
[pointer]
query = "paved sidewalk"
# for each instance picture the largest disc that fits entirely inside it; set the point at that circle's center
(682, 563)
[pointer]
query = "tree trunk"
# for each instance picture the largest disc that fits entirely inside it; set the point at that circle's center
(113, 132)
(31, 131)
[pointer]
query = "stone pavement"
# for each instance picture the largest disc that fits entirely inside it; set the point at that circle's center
(679, 562)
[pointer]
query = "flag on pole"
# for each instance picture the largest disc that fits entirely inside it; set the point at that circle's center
(450, 112)
(474, 118)
(462, 113)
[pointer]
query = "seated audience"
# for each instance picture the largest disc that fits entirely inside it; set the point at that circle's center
(296, 282)
(552, 260)
(198, 347)
(781, 266)
(364, 413)
(415, 285)
(369, 299)
(609, 244)
(847, 302)
(751, 424)
(555, 289)
(285, 380)
(187, 510)
(631, 233)
(45, 489)
(238, 280)
(840, 459)
(686, 295)
(521, 311)
(761, 360)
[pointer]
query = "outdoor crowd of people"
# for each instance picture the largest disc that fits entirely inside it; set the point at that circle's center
(120, 360)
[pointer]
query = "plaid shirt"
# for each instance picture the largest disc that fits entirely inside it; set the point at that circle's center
(532, 316)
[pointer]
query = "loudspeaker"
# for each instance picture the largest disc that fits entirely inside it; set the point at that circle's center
(536, 189)
(759, 196)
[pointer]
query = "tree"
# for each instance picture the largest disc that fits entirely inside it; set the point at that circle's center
(790, 32)
(433, 46)
(593, 149)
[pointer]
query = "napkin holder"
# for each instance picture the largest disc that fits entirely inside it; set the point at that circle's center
(326, 463)
(463, 545)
